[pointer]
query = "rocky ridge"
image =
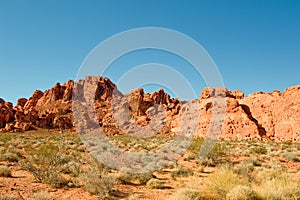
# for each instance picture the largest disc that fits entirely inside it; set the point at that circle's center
(259, 116)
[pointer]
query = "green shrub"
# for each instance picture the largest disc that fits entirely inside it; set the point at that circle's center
(47, 165)
(11, 155)
(260, 150)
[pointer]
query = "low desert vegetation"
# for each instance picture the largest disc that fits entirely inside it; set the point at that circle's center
(231, 170)
(186, 193)
(5, 171)
(8, 197)
(42, 195)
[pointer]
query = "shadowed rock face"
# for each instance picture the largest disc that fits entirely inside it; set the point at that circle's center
(259, 116)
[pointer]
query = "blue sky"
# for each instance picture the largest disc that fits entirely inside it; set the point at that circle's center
(254, 43)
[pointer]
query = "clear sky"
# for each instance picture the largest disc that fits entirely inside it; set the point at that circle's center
(254, 43)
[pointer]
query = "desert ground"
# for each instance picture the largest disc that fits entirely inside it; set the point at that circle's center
(47, 165)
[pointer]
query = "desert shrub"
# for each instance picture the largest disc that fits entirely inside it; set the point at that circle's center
(292, 157)
(219, 150)
(241, 192)
(43, 175)
(281, 187)
(134, 178)
(214, 156)
(42, 195)
(205, 161)
(181, 173)
(72, 168)
(5, 171)
(97, 182)
(186, 194)
(8, 197)
(74, 182)
(47, 165)
(260, 150)
(268, 174)
(221, 182)
(254, 161)
(244, 168)
(154, 183)
(11, 155)
(189, 156)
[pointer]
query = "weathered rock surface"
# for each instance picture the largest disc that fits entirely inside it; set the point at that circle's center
(259, 116)
(278, 114)
(6, 113)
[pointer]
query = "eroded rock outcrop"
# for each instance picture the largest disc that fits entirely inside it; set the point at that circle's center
(6, 113)
(278, 114)
(259, 116)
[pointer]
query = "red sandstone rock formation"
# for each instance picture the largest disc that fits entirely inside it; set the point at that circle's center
(259, 116)
(6, 113)
(277, 114)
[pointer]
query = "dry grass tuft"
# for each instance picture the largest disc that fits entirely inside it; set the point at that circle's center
(186, 194)
(5, 171)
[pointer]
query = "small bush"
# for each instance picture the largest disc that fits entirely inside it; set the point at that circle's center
(281, 187)
(98, 182)
(5, 171)
(209, 162)
(189, 156)
(221, 182)
(8, 197)
(42, 195)
(292, 157)
(10, 155)
(254, 161)
(48, 164)
(155, 184)
(181, 173)
(244, 168)
(219, 150)
(241, 192)
(268, 174)
(134, 178)
(260, 150)
(186, 194)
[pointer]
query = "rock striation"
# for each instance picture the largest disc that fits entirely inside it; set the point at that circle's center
(95, 102)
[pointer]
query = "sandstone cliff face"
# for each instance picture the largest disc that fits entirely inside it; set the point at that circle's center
(259, 116)
(278, 114)
(238, 124)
